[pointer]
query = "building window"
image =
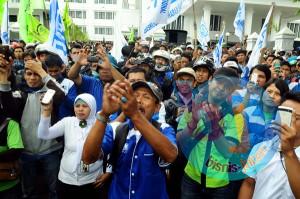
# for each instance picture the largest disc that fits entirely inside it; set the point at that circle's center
(215, 22)
(13, 18)
(178, 24)
(15, 1)
(105, 1)
(104, 15)
(79, 14)
(295, 27)
(82, 28)
(104, 31)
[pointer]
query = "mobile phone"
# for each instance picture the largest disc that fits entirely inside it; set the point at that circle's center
(93, 59)
(4, 49)
(254, 78)
(284, 115)
(48, 96)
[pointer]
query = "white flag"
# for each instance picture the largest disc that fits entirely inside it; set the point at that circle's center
(218, 52)
(4, 26)
(203, 34)
(57, 35)
(150, 24)
(119, 43)
(239, 21)
(260, 43)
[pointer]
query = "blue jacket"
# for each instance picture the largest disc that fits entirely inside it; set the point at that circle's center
(138, 173)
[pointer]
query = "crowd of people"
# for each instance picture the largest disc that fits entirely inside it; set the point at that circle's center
(163, 122)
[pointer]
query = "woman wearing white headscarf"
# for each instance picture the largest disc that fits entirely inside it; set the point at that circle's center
(75, 180)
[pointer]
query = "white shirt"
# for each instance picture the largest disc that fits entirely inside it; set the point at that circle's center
(70, 171)
(269, 174)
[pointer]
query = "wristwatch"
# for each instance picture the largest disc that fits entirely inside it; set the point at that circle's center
(101, 119)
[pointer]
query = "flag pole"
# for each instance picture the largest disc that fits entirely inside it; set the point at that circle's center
(195, 26)
(45, 14)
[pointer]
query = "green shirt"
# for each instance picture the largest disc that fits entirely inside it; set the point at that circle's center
(14, 141)
(205, 157)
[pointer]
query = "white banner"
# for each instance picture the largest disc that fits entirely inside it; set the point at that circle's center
(260, 43)
(150, 22)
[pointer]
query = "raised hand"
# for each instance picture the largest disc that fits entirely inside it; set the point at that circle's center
(111, 103)
(288, 136)
(36, 66)
(5, 69)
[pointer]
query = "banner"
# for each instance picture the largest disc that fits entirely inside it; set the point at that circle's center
(261, 42)
(57, 36)
(203, 34)
(37, 32)
(25, 10)
(150, 25)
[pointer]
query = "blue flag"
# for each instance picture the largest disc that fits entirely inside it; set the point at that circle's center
(239, 21)
(260, 43)
(218, 52)
(57, 35)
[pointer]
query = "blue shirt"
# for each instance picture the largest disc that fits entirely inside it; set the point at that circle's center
(138, 173)
(239, 95)
(92, 86)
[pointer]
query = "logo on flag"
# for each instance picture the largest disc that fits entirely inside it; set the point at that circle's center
(239, 21)
(57, 36)
(203, 35)
(218, 52)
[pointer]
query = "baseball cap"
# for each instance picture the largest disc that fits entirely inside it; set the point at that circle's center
(151, 86)
(190, 46)
(187, 70)
(232, 64)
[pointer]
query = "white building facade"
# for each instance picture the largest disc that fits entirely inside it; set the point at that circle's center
(99, 18)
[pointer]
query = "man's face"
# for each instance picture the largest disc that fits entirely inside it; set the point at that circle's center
(42, 57)
(108, 47)
(18, 53)
(32, 79)
(54, 71)
(296, 106)
(105, 74)
(202, 75)
(261, 77)
(160, 61)
(74, 54)
(269, 61)
(145, 49)
(190, 50)
(285, 70)
(177, 65)
(224, 58)
(185, 83)
(220, 89)
(27, 58)
(241, 58)
(184, 62)
(136, 76)
(146, 102)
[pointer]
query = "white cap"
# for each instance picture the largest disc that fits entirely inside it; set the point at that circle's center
(187, 70)
(231, 64)
(190, 46)
(45, 48)
(177, 48)
(161, 53)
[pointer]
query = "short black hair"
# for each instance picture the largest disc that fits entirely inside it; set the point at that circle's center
(241, 51)
(29, 53)
(263, 68)
(76, 45)
(53, 60)
(282, 63)
(137, 69)
(231, 58)
(281, 85)
(294, 96)
(187, 55)
(271, 55)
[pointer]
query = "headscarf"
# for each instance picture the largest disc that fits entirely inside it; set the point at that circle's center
(91, 102)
